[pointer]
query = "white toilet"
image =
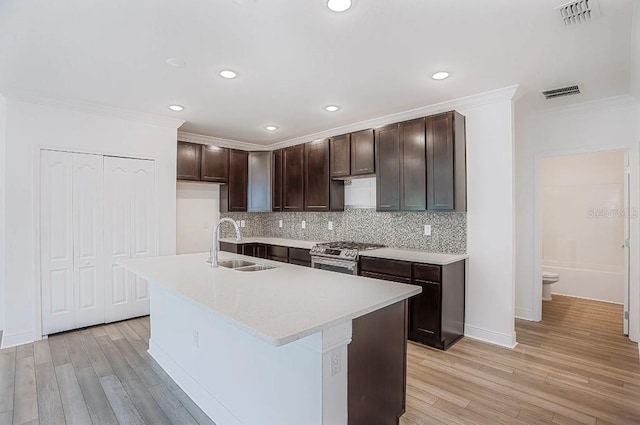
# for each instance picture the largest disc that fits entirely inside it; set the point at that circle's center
(548, 278)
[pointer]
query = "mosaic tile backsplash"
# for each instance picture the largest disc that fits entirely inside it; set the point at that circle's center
(398, 230)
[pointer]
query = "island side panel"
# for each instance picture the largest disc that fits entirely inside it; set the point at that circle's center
(235, 377)
(378, 366)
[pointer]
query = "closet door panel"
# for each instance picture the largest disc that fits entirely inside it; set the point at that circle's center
(117, 202)
(143, 221)
(56, 243)
(88, 220)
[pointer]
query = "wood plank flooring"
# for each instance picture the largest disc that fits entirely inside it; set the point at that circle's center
(101, 375)
(575, 367)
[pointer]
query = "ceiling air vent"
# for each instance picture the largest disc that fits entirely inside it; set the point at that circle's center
(579, 12)
(563, 91)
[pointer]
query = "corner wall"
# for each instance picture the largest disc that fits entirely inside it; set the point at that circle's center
(33, 126)
(3, 176)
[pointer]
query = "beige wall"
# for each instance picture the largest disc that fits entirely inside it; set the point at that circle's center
(583, 224)
(197, 209)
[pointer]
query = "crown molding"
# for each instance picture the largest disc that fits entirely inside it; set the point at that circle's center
(613, 102)
(184, 136)
(468, 102)
(94, 108)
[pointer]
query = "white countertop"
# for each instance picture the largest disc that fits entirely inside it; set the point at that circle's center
(279, 305)
(388, 253)
(291, 243)
(414, 256)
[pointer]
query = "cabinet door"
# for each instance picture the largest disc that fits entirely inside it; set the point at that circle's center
(88, 222)
(440, 165)
(143, 229)
(117, 237)
(362, 153)
(238, 180)
(316, 177)
(413, 180)
(388, 168)
(56, 243)
(341, 156)
(425, 311)
(214, 164)
(276, 180)
(259, 182)
(293, 178)
(188, 160)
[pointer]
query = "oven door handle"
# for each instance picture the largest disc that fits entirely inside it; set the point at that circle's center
(351, 265)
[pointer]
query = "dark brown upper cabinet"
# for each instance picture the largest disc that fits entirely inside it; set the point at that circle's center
(446, 162)
(362, 153)
(413, 174)
(276, 180)
(293, 178)
(321, 192)
(188, 160)
(233, 195)
(341, 156)
(388, 158)
(214, 164)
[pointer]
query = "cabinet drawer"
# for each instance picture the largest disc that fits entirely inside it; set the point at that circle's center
(231, 247)
(278, 251)
(388, 267)
(280, 259)
(427, 272)
(299, 254)
(386, 277)
(300, 263)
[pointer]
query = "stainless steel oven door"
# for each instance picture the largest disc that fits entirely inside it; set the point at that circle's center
(335, 265)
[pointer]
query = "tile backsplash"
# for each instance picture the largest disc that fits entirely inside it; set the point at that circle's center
(399, 229)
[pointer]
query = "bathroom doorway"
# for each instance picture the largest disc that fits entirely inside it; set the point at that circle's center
(585, 236)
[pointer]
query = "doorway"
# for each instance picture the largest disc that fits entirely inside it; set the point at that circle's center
(584, 207)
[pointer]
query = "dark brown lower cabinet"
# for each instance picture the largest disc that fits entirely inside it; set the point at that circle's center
(257, 250)
(377, 365)
(234, 248)
(283, 254)
(436, 316)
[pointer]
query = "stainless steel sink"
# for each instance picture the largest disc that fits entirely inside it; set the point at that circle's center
(254, 268)
(243, 265)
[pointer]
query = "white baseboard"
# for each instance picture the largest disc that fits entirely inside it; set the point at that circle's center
(16, 338)
(584, 298)
(523, 314)
(200, 396)
(491, 337)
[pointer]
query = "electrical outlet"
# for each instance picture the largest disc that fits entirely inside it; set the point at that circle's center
(336, 362)
(196, 339)
(279, 223)
(238, 223)
(427, 230)
(304, 224)
(242, 223)
(330, 225)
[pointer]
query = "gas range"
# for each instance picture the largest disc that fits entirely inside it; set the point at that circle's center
(345, 250)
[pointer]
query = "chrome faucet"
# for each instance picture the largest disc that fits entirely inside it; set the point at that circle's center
(213, 253)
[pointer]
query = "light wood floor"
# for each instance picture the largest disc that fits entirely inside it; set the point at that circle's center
(575, 367)
(101, 376)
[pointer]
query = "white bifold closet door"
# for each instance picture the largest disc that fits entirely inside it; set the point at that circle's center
(130, 232)
(71, 249)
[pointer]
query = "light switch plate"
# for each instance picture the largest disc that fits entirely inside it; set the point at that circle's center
(304, 224)
(330, 225)
(279, 223)
(242, 223)
(427, 230)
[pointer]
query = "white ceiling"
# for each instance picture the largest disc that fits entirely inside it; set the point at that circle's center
(295, 56)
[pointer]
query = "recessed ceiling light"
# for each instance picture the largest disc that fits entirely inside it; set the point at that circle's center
(270, 127)
(441, 75)
(228, 74)
(176, 62)
(339, 5)
(332, 108)
(176, 108)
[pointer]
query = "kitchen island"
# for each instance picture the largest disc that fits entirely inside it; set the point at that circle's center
(286, 345)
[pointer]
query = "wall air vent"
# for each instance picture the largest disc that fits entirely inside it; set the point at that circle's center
(562, 91)
(579, 12)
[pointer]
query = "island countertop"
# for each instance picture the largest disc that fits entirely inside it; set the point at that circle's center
(279, 305)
